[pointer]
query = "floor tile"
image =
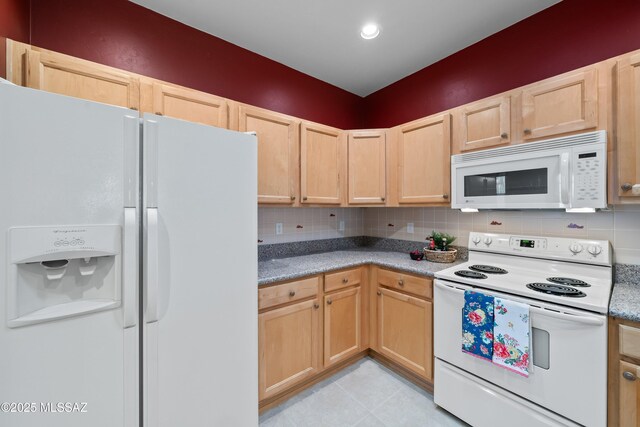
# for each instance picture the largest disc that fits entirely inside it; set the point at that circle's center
(369, 384)
(370, 421)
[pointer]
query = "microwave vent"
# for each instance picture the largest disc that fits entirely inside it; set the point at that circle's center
(549, 144)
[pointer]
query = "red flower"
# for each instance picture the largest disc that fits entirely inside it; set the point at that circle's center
(523, 362)
(500, 350)
(488, 335)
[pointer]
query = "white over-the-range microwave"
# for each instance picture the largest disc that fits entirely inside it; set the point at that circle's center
(561, 173)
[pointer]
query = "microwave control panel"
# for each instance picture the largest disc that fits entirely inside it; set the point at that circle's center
(589, 177)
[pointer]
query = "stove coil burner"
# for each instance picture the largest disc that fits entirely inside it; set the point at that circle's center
(559, 290)
(470, 274)
(489, 269)
(569, 282)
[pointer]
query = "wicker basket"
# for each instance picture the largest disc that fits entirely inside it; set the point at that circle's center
(441, 256)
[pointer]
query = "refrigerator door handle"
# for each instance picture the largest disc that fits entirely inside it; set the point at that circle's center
(151, 261)
(130, 267)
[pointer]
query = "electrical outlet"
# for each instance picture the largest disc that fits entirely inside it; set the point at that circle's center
(410, 227)
(341, 226)
(278, 228)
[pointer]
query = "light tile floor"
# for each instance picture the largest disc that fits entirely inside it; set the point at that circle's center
(365, 394)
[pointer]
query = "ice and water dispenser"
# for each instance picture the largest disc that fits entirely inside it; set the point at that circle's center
(59, 272)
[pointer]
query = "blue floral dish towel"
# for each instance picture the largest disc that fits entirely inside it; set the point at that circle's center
(511, 346)
(477, 325)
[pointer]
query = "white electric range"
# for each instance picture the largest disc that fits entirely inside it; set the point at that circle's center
(567, 285)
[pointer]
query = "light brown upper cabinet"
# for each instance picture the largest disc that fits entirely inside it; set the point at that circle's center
(62, 74)
(484, 124)
(367, 167)
(560, 105)
(278, 158)
(424, 160)
(322, 164)
(188, 104)
(628, 127)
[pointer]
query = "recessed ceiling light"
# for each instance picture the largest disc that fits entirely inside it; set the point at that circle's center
(370, 31)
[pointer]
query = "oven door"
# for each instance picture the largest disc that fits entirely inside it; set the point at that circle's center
(512, 182)
(569, 353)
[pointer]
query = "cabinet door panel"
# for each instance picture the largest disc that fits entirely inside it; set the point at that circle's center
(424, 160)
(81, 79)
(560, 105)
(405, 332)
(321, 164)
(367, 167)
(189, 104)
(341, 325)
(485, 124)
(289, 343)
(629, 394)
(629, 128)
(277, 154)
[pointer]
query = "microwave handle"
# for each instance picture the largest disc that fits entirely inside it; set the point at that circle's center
(564, 178)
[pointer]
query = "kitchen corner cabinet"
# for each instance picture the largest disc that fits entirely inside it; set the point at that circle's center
(188, 104)
(628, 128)
(558, 105)
(278, 155)
(342, 325)
(423, 156)
(405, 321)
(367, 167)
(484, 124)
(322, 164)
(66, 75)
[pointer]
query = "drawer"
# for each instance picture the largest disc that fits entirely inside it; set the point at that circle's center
(421, 286)
(629, 341)
(288, 292)
(342, 279)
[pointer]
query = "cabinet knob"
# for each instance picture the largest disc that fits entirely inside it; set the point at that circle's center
(304, 197)
(527, 131)
(293, 198)
(345, 280)
(400, 282)
(379, 293)
(292, 293)
(382, 198)
(329, 302)
(628, 376)
(626, 186)
(316, 306)
(133, 108)
(445, 196)
(159, 113)
(504, 135)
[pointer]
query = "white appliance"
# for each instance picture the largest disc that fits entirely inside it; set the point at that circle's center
(129, 267)
(562, 173)
(567, 285)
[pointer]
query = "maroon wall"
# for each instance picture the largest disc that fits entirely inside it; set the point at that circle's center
(14, 24)
(124, 35)
(568, 35)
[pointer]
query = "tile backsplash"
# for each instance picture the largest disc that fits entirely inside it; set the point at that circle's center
(621, 225)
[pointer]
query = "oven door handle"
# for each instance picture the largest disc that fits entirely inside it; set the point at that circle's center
(585, 320)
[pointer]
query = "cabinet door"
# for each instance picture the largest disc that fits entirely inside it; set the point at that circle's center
(485, 124)
(560, 105)
(629, 127)
(405, 331)
(367, 167)
(188, 104)
(289, 343)
(629, 394)
(65, 75)
(322, 151)
(341, 325)
(277, 153)
(424, 161)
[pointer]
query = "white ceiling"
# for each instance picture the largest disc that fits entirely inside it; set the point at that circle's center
(322, 37)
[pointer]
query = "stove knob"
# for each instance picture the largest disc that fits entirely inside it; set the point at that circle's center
(594, 250)
(476, 240)
(575, 248)
(487, 241)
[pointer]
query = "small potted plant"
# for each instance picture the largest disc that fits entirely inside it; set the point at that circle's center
(438, 249)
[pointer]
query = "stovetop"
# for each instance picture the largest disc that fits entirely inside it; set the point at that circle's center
(565, 281)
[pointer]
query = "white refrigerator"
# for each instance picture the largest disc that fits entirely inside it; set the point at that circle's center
(128, 267)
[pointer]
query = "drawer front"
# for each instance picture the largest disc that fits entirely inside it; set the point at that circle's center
(629, 341)
(421, 286)
(288, 292)
(342, 279)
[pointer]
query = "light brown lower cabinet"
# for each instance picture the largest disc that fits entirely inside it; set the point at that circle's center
(629, 390)
(342, 331)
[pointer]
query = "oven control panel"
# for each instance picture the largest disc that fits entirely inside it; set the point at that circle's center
(581, 250)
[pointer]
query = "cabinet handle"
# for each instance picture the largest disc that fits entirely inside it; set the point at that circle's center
(292, 293)
(329, 301)
(445, 196)
(504, 135)
(401, 282)
(316, 306)
(345, 280)
(293, 198)
(379, 293)
(628, 376)
(626, 186)
(304, 197)
(527, 131)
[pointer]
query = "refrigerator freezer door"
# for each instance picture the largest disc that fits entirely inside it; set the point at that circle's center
(201, 332)
(62, 166)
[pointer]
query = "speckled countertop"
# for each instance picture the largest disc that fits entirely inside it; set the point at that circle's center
(281, 269)
(625, 298)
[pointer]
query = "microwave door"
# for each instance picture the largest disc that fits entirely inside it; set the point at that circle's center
(510, 184)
